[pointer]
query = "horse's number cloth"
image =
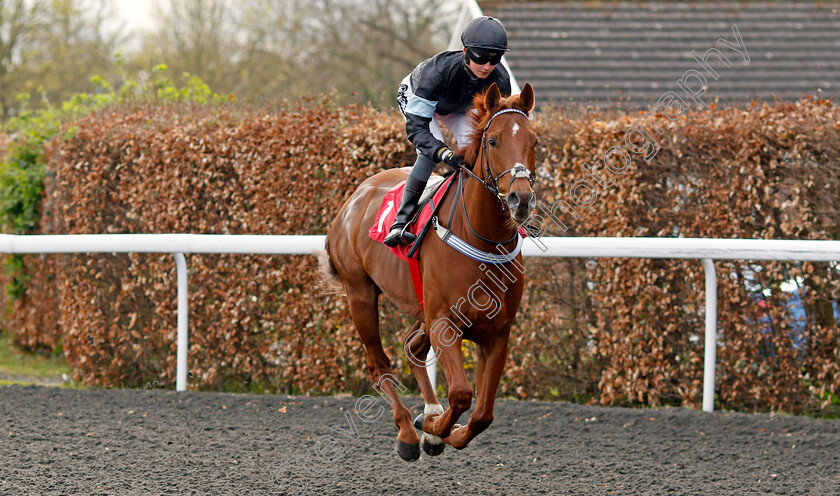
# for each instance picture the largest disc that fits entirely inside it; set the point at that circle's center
(388, 212)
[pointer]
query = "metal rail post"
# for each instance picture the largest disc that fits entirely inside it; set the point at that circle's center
(431, 367)
(183, 318)
(711, 336)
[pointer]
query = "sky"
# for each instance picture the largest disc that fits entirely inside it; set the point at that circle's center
(135, 13)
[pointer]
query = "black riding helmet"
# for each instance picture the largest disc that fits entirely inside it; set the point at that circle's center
(485, 33)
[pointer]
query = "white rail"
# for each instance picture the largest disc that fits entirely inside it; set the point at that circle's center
(705, 249)
(162, 243)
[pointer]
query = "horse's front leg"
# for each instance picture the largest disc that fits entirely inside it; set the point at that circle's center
(446, 340)
(489, 367)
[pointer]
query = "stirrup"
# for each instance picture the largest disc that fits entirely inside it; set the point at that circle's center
(399, 236)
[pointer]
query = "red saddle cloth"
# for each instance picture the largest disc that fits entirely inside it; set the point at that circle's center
(388, 212)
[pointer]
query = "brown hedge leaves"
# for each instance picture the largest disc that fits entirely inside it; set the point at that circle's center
(202, 170)
(762, 172)
(616, 331)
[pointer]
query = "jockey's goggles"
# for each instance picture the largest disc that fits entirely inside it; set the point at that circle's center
(481, 56)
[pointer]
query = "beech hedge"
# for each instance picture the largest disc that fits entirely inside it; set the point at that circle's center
(614, 331)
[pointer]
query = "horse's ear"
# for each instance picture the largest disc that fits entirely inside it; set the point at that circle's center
(526, 98)
(492, 97)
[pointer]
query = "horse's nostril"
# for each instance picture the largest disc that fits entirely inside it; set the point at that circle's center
(532, 203)
(513, 201)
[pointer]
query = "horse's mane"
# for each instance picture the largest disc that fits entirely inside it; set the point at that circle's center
(479, 120)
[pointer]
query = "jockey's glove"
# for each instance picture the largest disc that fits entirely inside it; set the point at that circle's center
(449, 158)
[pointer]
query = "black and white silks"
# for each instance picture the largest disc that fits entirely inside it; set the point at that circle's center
(442, 89)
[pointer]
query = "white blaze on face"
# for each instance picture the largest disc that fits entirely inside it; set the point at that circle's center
(515, 128)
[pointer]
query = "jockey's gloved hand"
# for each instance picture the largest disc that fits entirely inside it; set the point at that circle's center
(449, 158)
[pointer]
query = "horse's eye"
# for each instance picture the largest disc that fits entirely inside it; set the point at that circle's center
(492, 142)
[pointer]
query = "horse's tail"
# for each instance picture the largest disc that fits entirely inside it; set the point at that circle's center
(330, 279)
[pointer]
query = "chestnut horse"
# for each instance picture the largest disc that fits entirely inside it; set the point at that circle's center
(485, 209)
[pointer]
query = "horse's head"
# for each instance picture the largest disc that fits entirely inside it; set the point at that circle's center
(502, 151)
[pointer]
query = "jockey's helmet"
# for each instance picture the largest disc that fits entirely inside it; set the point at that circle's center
(486, 33)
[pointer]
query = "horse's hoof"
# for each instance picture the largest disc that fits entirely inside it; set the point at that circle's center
(408, 452)
(432, 445)
(418, 422)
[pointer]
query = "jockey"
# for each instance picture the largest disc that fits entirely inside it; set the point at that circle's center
(442, 89)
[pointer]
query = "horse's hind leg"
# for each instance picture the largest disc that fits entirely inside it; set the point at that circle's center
(416, 346)
(364, 303)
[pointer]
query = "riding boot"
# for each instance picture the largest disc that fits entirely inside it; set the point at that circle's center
(411, 194)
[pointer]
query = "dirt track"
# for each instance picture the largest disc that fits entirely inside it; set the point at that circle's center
(58, 441)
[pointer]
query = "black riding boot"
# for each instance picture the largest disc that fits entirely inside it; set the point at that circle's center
(411, 195)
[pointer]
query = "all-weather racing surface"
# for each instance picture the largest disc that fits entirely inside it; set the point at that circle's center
(57, 441)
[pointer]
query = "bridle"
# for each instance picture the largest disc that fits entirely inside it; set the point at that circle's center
(516, 172)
